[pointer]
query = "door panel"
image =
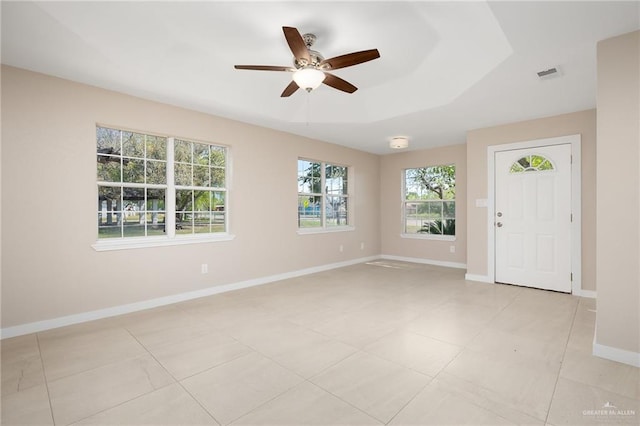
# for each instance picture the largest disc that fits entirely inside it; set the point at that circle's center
(516, 200)
(515, 244)
(545, 193)
(533, 217)
(546, 253)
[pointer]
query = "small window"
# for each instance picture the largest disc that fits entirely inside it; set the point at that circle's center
(323, 195)
(429, 201)
(531, 163)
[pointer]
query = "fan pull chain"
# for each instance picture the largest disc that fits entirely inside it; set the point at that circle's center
(308, 107)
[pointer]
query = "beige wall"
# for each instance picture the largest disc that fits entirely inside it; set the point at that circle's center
(49, 268)
(583, 123)
(391, 172)
(48, 213)
(618, 252)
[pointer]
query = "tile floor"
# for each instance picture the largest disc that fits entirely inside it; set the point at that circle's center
(379, 343)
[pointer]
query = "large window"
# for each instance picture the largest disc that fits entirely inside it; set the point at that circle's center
(151, 185)
(429, 201)
(323, 195)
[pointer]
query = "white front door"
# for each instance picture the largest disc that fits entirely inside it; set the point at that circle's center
(533, 217)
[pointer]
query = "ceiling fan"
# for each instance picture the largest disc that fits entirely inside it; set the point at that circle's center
(310, 68)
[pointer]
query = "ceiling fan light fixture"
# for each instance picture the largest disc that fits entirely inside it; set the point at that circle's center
(399, 142)
(308, 78)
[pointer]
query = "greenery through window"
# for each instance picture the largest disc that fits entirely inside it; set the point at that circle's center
(323, 195)
(135, 185)
(531, 163)
(200, 187)
(429, 200)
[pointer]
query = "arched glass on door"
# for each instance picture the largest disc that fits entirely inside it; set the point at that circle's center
(531, 163)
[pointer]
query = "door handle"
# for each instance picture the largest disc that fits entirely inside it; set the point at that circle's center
(499, 224)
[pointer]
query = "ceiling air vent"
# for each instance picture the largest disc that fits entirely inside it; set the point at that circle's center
(548, 74)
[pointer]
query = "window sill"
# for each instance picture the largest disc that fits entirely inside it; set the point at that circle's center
(307, 231)
(429, 237)
(145, 242)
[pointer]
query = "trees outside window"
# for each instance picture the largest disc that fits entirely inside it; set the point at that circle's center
(429, 200)
(151, 185)
(199, 187)
(323, 195)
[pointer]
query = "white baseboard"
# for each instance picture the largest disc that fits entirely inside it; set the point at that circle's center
(479, 278)
(586, 293)
(37, 326)
(615, 354)
(424, 261)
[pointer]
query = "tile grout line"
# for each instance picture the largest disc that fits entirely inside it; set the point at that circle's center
(270, 399)
(89, 370)
(564, 353)
(344, 401)
(178, 382)
(134, 398)
(213, 331)
(411, 400)
(46, 381)
(362, 350)
(466, 347)
(118, 405)
(254, 350)
(95, 367)
(432, 378)
(308, 380)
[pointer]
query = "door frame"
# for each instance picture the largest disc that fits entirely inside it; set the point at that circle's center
(576, 203)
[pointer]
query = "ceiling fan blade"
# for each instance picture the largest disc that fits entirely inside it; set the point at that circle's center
(264, 68)
(290, 89)
(338, 83)
(296, 43)
(350, 59)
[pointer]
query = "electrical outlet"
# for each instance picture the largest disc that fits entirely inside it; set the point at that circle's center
(204, 268)
(452, 249)
(361, 246)
(341, 248)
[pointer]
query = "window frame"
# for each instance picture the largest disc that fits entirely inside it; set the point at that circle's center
(324, 195)
(404, 201)
(170, 237)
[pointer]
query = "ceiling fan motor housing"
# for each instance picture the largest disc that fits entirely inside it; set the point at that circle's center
(316, 57)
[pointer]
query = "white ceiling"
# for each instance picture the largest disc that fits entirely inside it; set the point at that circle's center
(445, 67)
